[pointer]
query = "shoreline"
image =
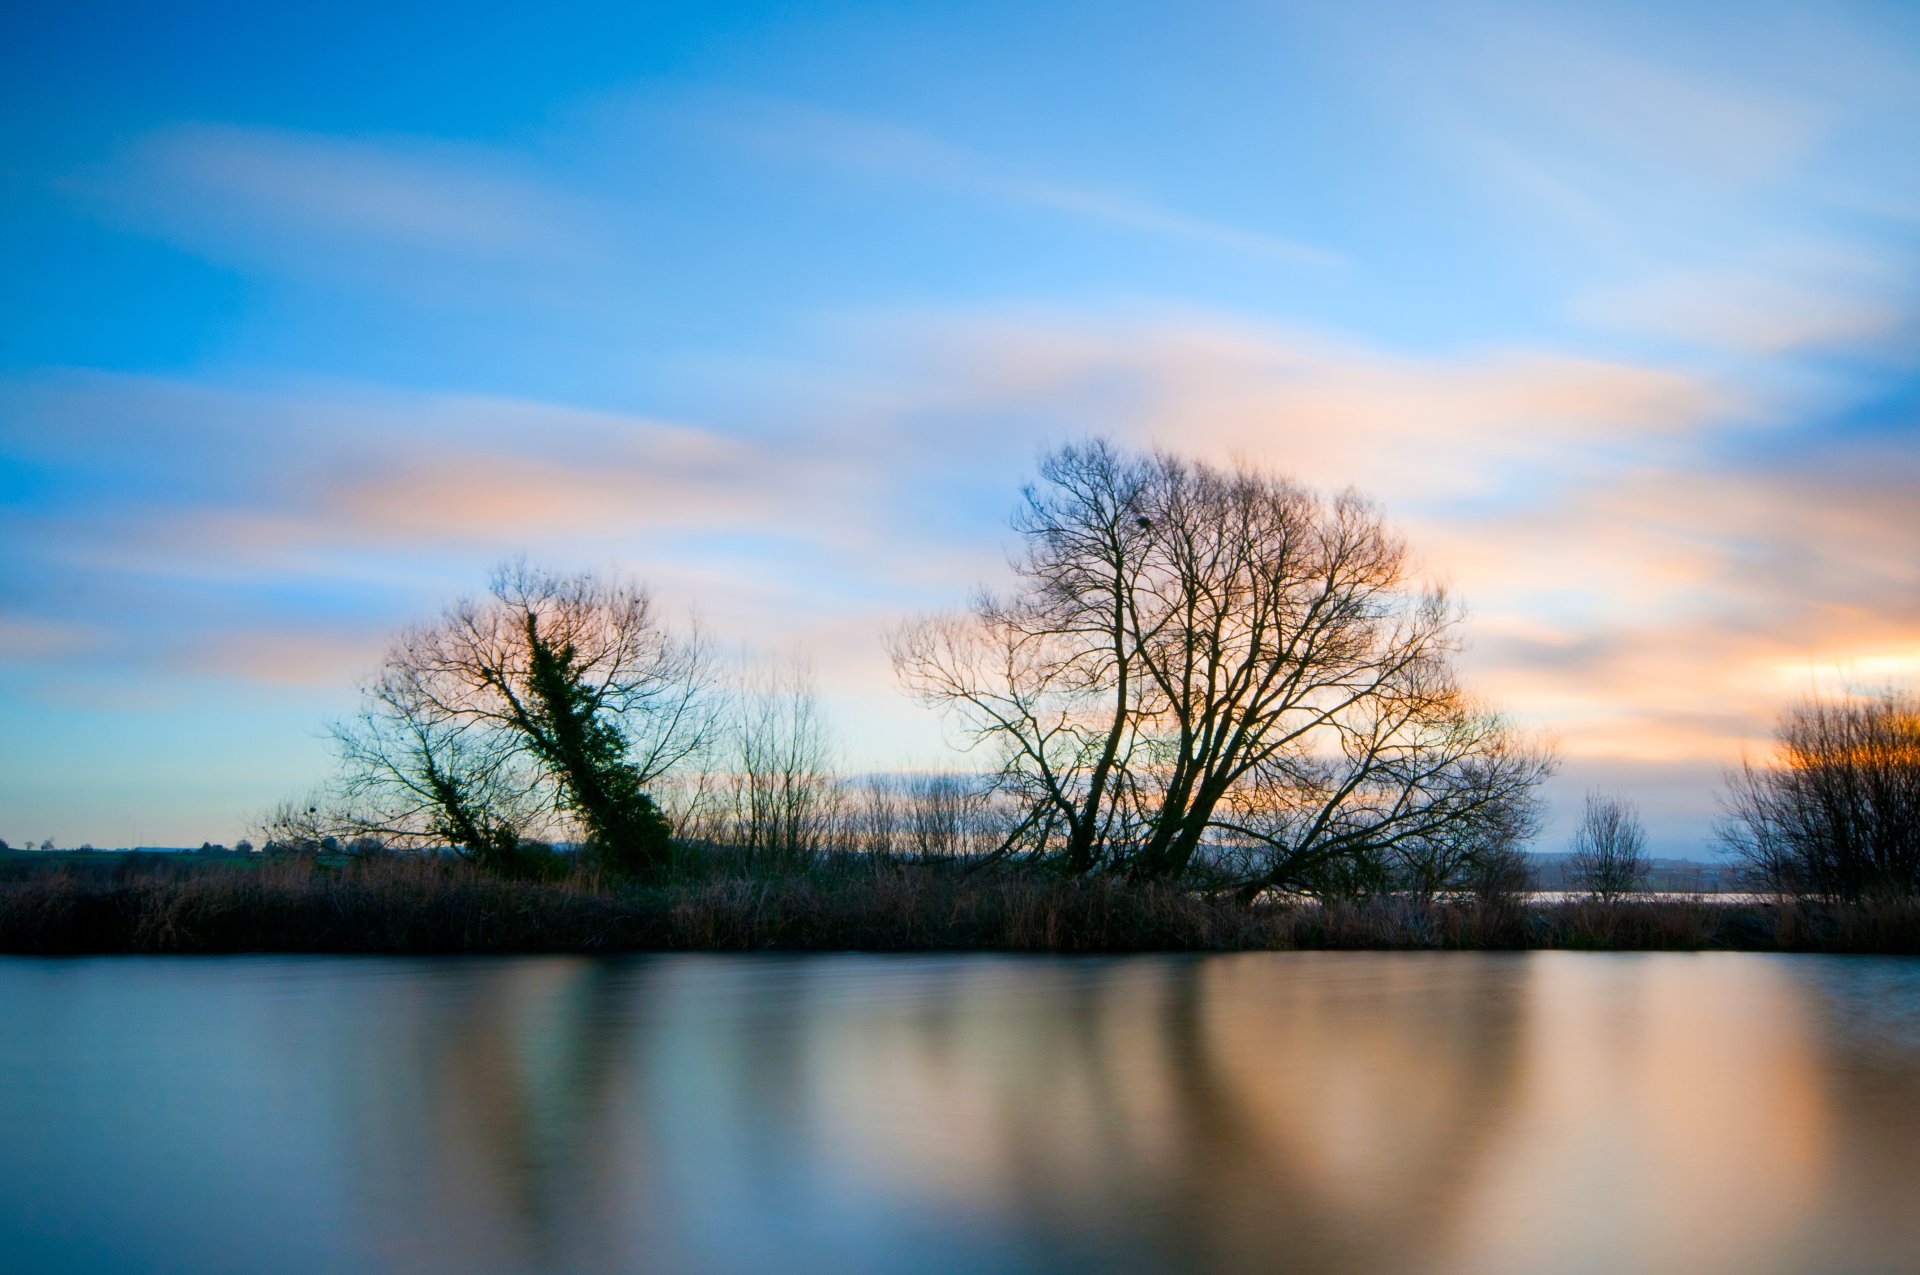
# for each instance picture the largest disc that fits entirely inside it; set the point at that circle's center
(415, 907)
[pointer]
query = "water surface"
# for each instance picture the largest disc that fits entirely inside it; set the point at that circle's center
(1437, 1112)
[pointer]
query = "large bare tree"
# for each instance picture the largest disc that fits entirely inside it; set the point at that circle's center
(1215, 663)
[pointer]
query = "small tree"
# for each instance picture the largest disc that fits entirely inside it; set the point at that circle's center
(1500, 877)
(784, 800)
(1609, 849)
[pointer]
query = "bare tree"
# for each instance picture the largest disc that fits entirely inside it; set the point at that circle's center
(544, 709)
(1500, 876)
(1219, 658)
(1609, 849)
(874, 817)
(417, 775)
(784, 795)
(1836, 812)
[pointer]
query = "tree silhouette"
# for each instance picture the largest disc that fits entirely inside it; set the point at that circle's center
(1218, 666)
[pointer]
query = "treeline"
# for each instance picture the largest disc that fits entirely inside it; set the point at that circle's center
(1207, 677)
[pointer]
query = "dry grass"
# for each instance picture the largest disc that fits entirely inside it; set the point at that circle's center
(412, 905)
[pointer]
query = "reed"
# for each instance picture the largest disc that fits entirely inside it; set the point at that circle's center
(420, 905)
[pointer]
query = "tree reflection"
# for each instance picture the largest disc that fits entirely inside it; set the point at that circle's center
(1307, 1111)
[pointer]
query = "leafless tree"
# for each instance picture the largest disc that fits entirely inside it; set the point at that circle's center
(926, 815)
(1609, 857)
(1203, 657)
(874, 817)
(784, 796)
(542, 710)
(1836, 812)
(948, 815)
(417, 775)
(1499, 876)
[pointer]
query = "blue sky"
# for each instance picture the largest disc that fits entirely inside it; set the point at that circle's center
(311, 314)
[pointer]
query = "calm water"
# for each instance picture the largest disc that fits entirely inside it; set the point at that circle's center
(1337, 1112)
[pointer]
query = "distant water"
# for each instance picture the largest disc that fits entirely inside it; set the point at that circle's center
(1422, 1112)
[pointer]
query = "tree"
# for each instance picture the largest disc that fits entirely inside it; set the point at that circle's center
(1215, 666)
(872, 825)
(1609, 849)
(1835, 813)
(544, 710)
(1499, 877)
(584, 749)
(784, 797)
(417, 773)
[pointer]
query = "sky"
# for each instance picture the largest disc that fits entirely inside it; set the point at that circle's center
(313, 313)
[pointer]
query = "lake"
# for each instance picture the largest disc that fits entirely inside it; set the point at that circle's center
(1431, 1112)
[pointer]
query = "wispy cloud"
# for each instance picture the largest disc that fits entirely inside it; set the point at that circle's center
(249, 193)
(1414, 429)
(1624, 136)
(269, 535)
(269, 473)
(860, 144)
(1764, 309)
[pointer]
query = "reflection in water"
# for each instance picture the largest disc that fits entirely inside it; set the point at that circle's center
(1429, 1112)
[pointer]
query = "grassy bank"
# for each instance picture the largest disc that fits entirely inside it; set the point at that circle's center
(410, 905)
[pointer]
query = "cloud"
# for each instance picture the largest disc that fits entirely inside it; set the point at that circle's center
(274, 196)
(855, 143)
(1418, 429)
(269, 536)
(285, 656)
(1628, 138)
(1771, 309)
(29, 639)
(254, 474)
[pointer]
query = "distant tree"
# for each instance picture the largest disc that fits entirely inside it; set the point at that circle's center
(1609, 849)
(872, 822)
(947, 815)
(3, 845)
(1208, 665)
(47, 844)
(243, 846)
(1835, 813)
(292, 828)
(1500, 877)
(783, 798)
